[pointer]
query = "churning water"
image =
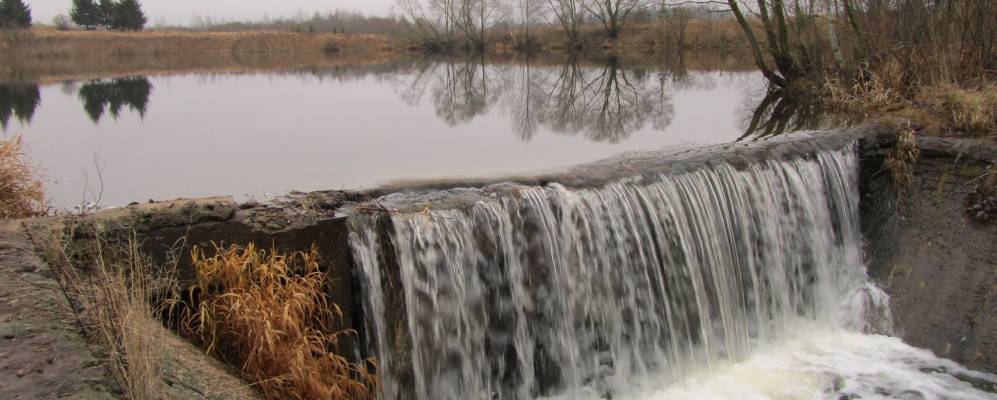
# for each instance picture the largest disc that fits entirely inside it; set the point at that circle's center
(723, 282)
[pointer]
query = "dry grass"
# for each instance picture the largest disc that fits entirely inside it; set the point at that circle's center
(868, 93)
(111, 288)
(269, 313)
(21, 192)
(973, 111)
(887, 95)
(51, 43)
(59, 70)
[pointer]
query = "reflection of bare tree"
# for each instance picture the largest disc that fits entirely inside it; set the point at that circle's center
(460, 91)
(606, 103)
(524, 103)
(464, 91)
(779, 113)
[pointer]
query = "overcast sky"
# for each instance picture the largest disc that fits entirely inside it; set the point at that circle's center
(182, 11)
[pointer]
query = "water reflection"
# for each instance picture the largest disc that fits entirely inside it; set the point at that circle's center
(603, 102)
(113, 95)
(18, 100)
(779, 112)
(364, 125)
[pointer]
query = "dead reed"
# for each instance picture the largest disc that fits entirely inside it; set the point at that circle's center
(21, 193)
(269, 314)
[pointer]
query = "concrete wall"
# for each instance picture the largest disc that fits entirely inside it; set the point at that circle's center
(936, 259)
(937, 262)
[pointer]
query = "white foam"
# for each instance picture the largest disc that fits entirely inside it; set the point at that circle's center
(828, 364)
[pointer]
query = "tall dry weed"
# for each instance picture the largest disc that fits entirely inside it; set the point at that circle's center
(111, 287)
(21, 193)
(269, 314)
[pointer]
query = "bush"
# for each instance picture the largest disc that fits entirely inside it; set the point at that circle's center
(62, 22)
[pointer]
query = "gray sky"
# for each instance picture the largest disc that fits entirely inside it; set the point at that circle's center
(182, 11)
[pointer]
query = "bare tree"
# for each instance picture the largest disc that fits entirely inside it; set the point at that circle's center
(527, 13)
(476, 18)
(773, 16)
(612, 13)
(570, 15)
(437, 23)
(434, 22)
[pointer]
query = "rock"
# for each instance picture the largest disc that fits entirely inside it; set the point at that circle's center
(20, 373)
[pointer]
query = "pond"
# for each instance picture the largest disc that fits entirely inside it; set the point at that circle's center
(256, 135)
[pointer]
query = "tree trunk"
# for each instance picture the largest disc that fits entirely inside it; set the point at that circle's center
(756, 49)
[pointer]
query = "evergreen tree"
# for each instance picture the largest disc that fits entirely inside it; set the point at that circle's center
(85, 14)
(128, 16)
(105, 13)
(14, 13)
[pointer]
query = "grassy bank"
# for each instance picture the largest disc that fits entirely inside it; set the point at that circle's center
(45, 43)
(939, 110)
(62, 69)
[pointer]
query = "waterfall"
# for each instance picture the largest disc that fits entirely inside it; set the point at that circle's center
(553, 291)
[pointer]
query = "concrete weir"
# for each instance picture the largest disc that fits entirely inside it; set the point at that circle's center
(933, 256)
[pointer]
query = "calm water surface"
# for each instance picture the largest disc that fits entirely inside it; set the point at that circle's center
(257, 135)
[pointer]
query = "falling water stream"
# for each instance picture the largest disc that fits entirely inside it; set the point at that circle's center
(717, 283)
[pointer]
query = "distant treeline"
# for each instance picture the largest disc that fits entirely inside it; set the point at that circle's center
(446, 25)
(435, 25)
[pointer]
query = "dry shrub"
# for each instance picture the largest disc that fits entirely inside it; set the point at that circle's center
(111, 288)
(902, 158)
(21, 192)
(269, 313)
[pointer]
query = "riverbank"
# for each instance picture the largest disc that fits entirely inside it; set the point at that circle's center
(45, 71)
(49, 44)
